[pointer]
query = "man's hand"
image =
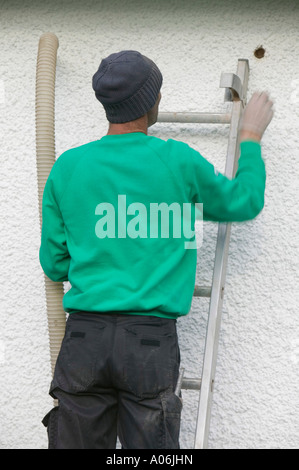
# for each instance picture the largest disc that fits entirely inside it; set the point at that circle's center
(256, 117)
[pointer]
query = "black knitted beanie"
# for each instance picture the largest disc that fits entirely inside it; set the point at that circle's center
(127, 84)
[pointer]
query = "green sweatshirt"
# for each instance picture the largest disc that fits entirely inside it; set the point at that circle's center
(98, 226)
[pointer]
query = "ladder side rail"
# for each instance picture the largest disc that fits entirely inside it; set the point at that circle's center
(219, 274)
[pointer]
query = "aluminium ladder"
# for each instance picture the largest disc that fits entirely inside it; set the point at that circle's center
(235, 91)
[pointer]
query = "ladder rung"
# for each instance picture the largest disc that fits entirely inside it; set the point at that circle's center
(202, 291)
(191, 384)
(212, 118)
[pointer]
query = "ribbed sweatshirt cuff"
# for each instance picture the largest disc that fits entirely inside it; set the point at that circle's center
(251, 147)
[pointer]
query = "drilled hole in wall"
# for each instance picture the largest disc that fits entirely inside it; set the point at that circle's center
(259, 52)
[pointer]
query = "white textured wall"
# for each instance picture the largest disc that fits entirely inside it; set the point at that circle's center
(256, 391)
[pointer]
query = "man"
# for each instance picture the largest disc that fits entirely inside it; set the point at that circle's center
(118, 364)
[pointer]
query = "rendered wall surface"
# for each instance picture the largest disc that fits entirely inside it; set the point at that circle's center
(256, 402)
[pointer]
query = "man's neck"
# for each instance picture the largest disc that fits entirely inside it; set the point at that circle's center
(139, 125)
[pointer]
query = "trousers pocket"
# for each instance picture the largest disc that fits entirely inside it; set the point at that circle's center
(76, 362)
(50, 421)
(172, 407)
(149, 360)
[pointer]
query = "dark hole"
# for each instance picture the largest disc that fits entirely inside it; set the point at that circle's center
(259, 52)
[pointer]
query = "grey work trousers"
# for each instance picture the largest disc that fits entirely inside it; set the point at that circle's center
(115, 376)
